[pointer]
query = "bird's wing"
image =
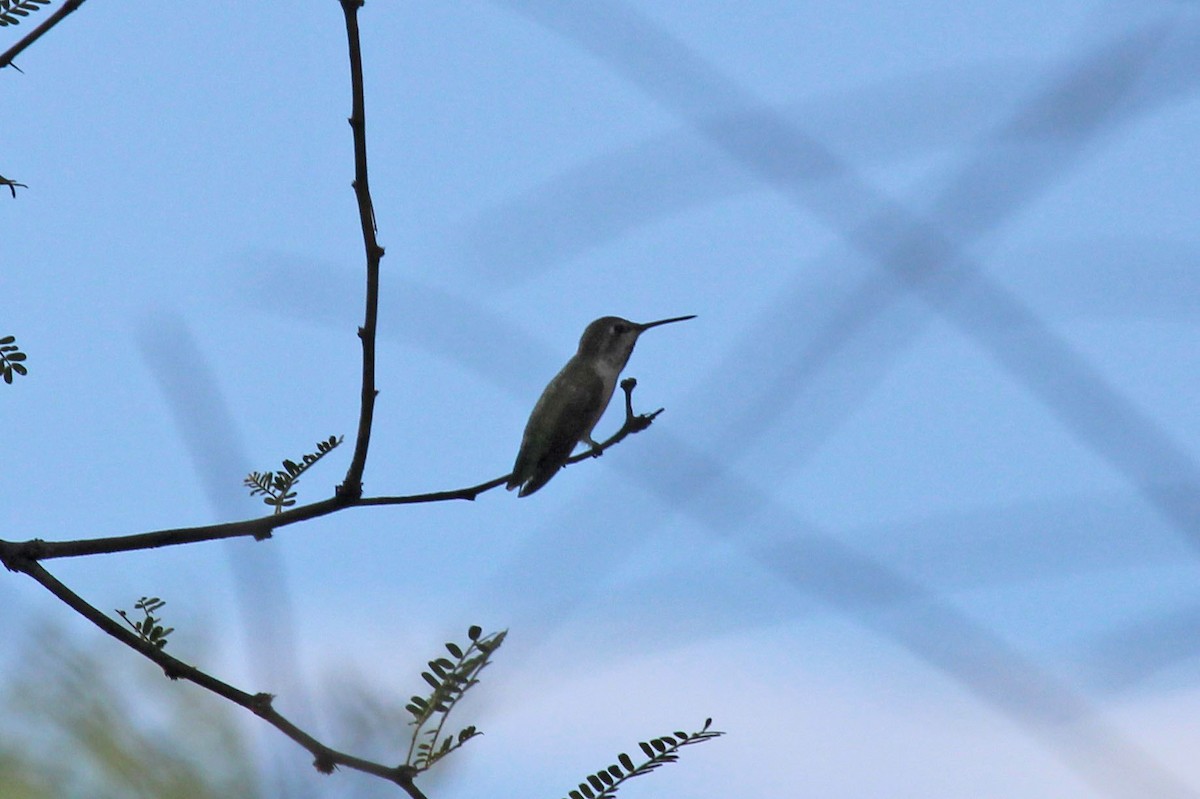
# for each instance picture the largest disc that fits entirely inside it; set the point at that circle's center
(563, 413)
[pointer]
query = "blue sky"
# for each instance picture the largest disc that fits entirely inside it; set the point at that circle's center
(920, 517)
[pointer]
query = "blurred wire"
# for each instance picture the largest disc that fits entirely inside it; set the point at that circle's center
(1129, 655)
(817, 565)
(210, 434)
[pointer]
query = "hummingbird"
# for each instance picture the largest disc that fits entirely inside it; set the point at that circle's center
(574, 401)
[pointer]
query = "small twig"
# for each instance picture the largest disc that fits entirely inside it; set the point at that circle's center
(351, 486)
(325, 758)
(35, 34)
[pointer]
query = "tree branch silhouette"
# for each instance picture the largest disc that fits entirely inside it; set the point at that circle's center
(27, 557)
(261, 528)
(351, 486)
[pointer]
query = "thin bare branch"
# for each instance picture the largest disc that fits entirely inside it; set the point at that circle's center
(262, 528)
(351, 486)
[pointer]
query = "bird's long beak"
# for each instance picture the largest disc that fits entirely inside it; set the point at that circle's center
(644, 327)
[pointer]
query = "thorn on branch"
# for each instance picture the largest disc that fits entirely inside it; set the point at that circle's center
(324, 763)
(262, 702)
(405, 774)
(346, 491)
(639, 423)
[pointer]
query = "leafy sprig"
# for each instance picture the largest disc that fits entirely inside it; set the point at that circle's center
(277, 486)
(665, 749)
(450, 679)
(149, 628)
(12, 10)
(11, 359)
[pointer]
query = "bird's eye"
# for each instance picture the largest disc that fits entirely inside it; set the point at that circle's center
(620, 328)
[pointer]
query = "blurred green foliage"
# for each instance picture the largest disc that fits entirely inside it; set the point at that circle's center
(98, 724)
